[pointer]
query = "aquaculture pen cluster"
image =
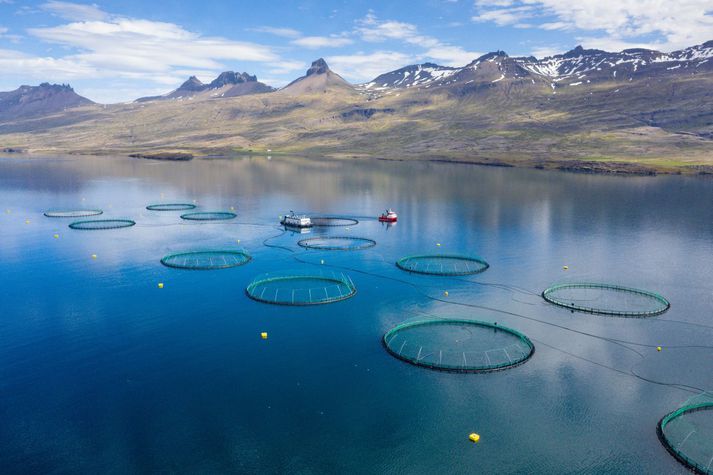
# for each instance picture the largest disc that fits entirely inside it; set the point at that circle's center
(437, 342)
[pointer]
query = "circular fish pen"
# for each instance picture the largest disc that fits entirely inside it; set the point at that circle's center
(337, 243)
(606, 299)
(443, 264)
(209, 216)
(171, 207)
(458, 345)
(100, 224)
(78, 213)
(301, 289)
(206, 260)
(332, 221)
(687, 434)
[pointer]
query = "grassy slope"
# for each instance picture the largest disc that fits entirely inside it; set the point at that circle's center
(609, 127)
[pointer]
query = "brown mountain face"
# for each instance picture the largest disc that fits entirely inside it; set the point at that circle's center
(635, 111)
(37, 101)
(318, 79)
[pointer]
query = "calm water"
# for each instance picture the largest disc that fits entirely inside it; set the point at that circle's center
(103, 372)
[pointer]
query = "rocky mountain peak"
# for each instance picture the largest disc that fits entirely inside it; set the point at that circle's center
(318, 67)
(231, 77)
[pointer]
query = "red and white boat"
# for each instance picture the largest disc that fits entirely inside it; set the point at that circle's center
(388, 216)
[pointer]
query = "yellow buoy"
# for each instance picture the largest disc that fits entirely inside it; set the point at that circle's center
(474, 437)
(160, 285)
(438, 244)
(565, 267)
(445, 293)
(658, 348)
(94, 256)
(56, 236)
(238, 241)
(263, 335)
(27, 221)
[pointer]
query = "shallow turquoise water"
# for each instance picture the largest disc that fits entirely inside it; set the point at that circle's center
(102, 371)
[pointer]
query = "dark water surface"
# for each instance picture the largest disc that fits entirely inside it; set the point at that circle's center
(103, 372)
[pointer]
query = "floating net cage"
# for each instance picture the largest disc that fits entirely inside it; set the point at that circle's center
(337, 243)
(606, 299)
(687, 433)
(209, 216)
(99, 224)
(207, 260)
(443, 264)
(171, 207)
(77, 213)
(458, 345)
(332, 221)
(301, 288)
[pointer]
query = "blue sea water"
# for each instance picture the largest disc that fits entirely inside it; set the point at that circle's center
(102, 371)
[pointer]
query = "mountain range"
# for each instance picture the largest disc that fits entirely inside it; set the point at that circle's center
(637, 110)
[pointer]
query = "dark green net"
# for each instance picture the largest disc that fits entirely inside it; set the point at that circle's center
(301, 288)
(209, 216)
(206, 260)
(459, 345)
(606, 299)
(337, 243)
(687, 433)
(443, 264)
(100, 224)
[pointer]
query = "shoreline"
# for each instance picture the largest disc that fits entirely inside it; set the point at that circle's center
(615, 166)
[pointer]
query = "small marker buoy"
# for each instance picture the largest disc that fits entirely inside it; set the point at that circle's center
(445, 293)
(160, 285)
(474, 437)
(238, 241)
(56, 236)
(658, 348)
(232, 209)
(321, 261)
(263, 335)
(94, 256)
(438, 244)
(27, 221)
(565, 267)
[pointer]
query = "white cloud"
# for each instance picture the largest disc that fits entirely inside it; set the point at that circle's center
(149, 53)
(373, 30)
(515, 16)
(75, 11)
(665, 24)
(283, 32)
(287, 67)
(315, 42)
(362, 67)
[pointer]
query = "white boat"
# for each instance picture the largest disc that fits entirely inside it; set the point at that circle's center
(296, 221)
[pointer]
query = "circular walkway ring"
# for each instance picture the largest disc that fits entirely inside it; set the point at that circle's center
(171, 207)
(332, 221)
(679, 454)
(664, 303)
(209, 216)
(79, 213)
(340, 282)
(101, 224)
(313, 243)
(410, 264)
(464, 368)
(182, 260)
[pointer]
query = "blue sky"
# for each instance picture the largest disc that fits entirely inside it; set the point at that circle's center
(114, 51)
